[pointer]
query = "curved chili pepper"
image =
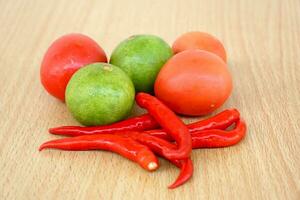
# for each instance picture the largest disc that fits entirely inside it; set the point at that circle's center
(146, 122)
(212, 138)
(220, 121)
(158, 146)
(170, 123)
(139, 123)
(124, 146)
(215, 138)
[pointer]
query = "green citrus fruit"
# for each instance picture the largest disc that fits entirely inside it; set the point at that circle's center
(141, 57)
(99, 94)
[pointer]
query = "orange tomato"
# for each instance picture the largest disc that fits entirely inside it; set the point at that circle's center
(194, 82)
(199, 40)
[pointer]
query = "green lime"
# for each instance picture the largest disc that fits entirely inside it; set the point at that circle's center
(99, 94)
(141, 57)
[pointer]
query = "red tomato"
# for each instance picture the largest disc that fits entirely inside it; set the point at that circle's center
(193, 82)
(199, 40)
(64, 57)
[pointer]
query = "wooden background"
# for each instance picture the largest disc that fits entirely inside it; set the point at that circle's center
(262, 39)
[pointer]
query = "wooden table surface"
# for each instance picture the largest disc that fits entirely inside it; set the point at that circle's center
(263, 44)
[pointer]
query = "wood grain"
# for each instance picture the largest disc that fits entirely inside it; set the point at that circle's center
(262, 39)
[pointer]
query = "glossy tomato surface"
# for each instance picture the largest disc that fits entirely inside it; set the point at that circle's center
(199, 40)
(194, 82)
(64, 57)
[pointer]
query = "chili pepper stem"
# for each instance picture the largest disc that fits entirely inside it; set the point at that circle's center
(152, 166)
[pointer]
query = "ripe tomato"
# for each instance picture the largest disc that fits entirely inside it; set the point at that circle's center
(193, 82)
(64, 57)
(199, 40)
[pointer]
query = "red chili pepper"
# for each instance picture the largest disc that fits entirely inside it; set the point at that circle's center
(220, 121)
(124, 146)
(146, 122)
(158, 146)
(170, 123)
(215, 138)
(139, 123)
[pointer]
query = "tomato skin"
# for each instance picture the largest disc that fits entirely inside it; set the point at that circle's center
(194, 82)
(199, 40)
(64, 57)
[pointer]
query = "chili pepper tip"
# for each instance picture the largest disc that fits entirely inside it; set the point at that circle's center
(44, 146)
(52, 130)
(41, 147)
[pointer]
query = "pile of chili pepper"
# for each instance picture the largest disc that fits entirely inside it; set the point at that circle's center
(160, 132)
